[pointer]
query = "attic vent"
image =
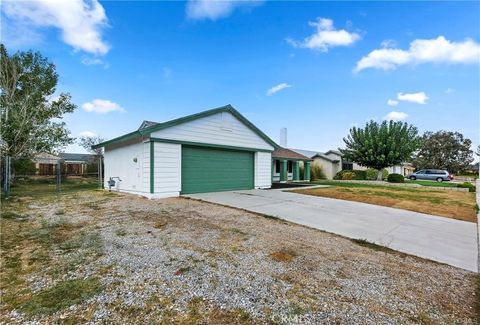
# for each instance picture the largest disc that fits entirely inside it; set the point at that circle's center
(146, 124)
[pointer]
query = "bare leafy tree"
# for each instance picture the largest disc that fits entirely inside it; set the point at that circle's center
(30, 118)
(88, 142)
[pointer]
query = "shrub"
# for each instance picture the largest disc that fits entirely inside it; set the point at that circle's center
(316, 172)
(351, 174)
(470, 186)
(348, 175)
(385, 174)
(395, 178)
(371, 174)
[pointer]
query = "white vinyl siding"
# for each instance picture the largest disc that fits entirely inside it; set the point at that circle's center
(220, 129)
(167, 169)
(120, 162)
(263, 169)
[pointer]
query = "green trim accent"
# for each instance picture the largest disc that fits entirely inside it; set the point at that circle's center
(296, 171)
(152, 167)
(283, 171)
(125, 137)
(306, 172)
(210, 145)
(147, 131)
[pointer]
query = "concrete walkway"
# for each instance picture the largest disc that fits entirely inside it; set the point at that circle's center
(449, 241)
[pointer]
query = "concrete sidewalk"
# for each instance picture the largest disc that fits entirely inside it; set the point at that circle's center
(449, 241)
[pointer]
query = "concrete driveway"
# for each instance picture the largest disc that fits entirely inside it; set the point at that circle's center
(449, 241)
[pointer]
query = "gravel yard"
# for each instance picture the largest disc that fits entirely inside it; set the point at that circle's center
(178, 260)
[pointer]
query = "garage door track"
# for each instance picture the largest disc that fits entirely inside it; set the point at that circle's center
(444, 240)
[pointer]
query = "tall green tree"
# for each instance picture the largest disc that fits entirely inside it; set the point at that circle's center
(444, 150)
(381, 145)
(30, 117)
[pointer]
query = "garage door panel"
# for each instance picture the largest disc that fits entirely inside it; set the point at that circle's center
(209, 170)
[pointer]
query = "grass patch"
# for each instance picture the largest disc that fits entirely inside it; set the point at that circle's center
(451, 204)
(160, 224)
(283, 255)
(375, 247)
(182, 270)
(121, 232)
(9, 215)
(432, 183)
(62, 295)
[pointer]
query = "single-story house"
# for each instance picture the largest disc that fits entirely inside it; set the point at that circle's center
(332, 162)
(46, 164)
(286, 166)
(74, 163)
(215, 150)
(404, 169)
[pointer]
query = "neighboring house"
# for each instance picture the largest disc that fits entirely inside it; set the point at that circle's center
(74, 163)
(332, 162)
(215, 150)
(286, 166)
(404, 169)
(46, 164)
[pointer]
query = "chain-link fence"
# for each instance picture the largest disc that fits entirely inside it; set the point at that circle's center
(49, 174)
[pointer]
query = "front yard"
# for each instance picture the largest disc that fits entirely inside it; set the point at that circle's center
(450, 204)
(92, 256)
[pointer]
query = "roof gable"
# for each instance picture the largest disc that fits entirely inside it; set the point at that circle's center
(160, 126)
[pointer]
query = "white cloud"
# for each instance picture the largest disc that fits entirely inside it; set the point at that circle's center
(94, 61)
(388, 43)
(88, 134)
(102, 106)
(449, 90)
(419, 98)
(277, 88)
(326, 36)
(437, 50)
(392, 102)
(396, 116)
(213, 9)
(81, 21)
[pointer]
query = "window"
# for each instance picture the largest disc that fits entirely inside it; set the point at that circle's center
(290, 166)
(347, 166)
(277, 167)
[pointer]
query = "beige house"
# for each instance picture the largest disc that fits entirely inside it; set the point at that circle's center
(332, 162)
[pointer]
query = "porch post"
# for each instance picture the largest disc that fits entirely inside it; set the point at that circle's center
(296, 170)
(306, 173)
(283, 170)
(273, 170)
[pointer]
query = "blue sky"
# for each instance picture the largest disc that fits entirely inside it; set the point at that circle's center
(316, 68)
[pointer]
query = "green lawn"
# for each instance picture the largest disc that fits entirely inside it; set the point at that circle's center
(353, 184)
(432, 183)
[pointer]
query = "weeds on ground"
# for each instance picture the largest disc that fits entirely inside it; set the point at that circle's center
(375, 247)
(283, 255)
(62, 295)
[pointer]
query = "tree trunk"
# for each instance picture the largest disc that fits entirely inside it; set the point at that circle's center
(380, 175)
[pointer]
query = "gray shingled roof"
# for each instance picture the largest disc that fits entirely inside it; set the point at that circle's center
(312, 154)
(77, 157)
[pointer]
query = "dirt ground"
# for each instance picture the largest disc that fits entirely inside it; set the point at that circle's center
(450, 204)
(92, 256)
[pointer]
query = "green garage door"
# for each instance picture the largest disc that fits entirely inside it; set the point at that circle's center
(210, 170)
